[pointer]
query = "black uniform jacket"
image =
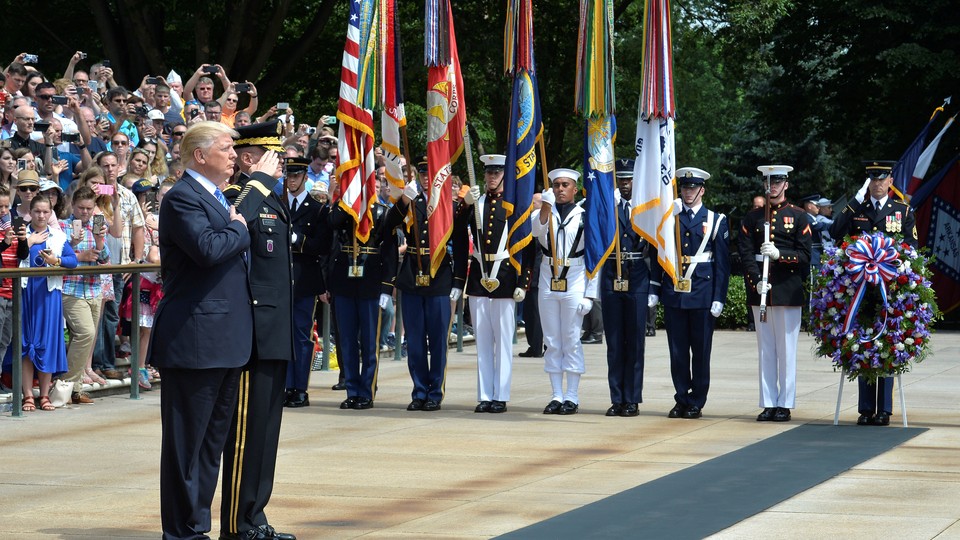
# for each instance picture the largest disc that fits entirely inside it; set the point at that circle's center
(790, 233)
(377, 256)
(487, 236)
(416, 260)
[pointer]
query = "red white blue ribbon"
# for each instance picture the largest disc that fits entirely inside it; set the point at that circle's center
(872, 260)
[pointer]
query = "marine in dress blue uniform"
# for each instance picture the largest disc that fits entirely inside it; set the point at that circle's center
(624, 288)
(878, 211)
(250, 455)
(309, 240)
(690, 306)
(426, 299)
(788, 251)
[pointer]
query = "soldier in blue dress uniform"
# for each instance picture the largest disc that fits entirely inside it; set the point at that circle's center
(624, 288)
(426, 302)
(691, 305)
(876, 211)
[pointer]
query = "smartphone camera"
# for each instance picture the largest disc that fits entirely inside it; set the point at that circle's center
(311, 130)
(105, 63)
(243, 88)
(140, 111)
(70, 137)
(59, 100)
(30, 59)
(194, 113)
(282, 106)
(154, 80)
(21, 164)
(211, 70)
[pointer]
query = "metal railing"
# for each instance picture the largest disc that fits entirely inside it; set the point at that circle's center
(17, 343)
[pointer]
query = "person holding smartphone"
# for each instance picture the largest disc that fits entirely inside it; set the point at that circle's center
(230, 100)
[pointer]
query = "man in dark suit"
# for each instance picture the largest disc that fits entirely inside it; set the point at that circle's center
(250, 455)
(426, 298)
(624, 288)
(788, 252)
(871, 212)
(692, 304)
(308, 218)
(206, 292)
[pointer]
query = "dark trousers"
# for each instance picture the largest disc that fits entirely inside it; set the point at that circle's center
(250, 453)
(624, 315)
(357, 349)
(426, 320)
(298, 372)
(196, 407)
(876, 398)
(531, 320)
(690, 338)
(104, 349)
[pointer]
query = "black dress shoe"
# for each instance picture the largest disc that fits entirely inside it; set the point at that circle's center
(692, 412)
(362, 403)
(677, 411)
(298, 399)
(865, 419)
(270, 532)
(569, 407)
(630, 409)
(782, 415)
(498, 406)
(651, 332)
(339, 386)
(553, 407)
(591, 339)
(415, 405)
(881, 419)
(531, 353)
(431, 405)
(767, 414)
(614, 410)
(348, 403)
(484, 406)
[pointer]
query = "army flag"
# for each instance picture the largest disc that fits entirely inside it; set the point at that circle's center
(355, 164)
(393, 117)
(525, 129)
(446, 123)
(654, 173)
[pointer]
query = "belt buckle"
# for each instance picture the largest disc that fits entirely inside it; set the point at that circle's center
(490, 284)
(423, 280)
(558, 284)
(683, 285)
(621, 285)
(355, 271)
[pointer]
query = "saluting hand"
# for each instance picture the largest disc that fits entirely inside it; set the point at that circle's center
(269, 164)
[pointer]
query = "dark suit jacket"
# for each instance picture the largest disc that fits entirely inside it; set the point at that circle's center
(896, 217)
(637, 271)
(309, 223)
(205, 319)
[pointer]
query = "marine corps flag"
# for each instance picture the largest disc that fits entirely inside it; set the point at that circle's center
(654, 185)
(446, 123)
(525, 128)
(596, 100)
(356, 170)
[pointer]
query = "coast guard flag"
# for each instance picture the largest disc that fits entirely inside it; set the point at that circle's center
(654, 190)
(599, 232)
(938, 228)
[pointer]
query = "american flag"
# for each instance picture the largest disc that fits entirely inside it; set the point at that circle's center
(356, 170)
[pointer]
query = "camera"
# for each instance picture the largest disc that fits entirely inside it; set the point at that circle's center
(83, 56)
(21, 164)
(30, 59)
(93, 85)
(243, 88)
(194, 113)
(16, 223)
(140, 111)
(59, 100)
(41, 127)
(282, 106)
(154, 80)
(330, 120)
(105, 63)
(98, 222)
(211, 69)
(311, 130)
(70, 137)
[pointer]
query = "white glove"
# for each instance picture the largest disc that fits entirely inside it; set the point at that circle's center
(519, 294)
(652, 300)
(584, 306)
(862, 193)
(384, 301)
(411, 190)
(617, 198)
(716, 309)
(455, 294)
(472, 196)
(770, 250)
(395, 191)
(293, 237)
(547, 197)
(763, 288)
(677, 207)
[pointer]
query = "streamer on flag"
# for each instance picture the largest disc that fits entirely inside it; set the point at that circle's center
(525, 127)
(355, 163)
(654, 182)
(596, 101)
(393, 117)
(446, 123)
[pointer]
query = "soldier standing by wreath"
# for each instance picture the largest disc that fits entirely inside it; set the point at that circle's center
(871, 212)
(779, 291)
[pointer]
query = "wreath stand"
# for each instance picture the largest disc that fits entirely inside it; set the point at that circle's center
(843, 376)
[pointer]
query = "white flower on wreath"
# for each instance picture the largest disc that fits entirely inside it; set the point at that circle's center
(900, 346)
(855, 347)
(908, 341)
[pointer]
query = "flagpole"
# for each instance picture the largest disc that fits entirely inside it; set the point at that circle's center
(546, 182)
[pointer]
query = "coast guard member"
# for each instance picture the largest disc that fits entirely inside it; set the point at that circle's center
(308, 219)
(624, 286)
(566, 294)
(426, 299)
(691, 305)
(872, 212)
(789, 253)
(494, 285)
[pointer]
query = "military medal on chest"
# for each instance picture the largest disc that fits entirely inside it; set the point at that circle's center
(789, 222)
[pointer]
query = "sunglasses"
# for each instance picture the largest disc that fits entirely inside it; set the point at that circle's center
(121, 143)
(231, 100)
(45, 97)
(179, 133)
(28, 188)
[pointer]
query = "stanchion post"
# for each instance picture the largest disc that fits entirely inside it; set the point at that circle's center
(134, 335)
(325, 351)
(836, 415)
(16, 406)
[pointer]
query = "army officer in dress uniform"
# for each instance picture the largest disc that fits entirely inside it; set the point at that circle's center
(250, 455)
(876, 211)
(566, 293)
(309, 240)
(691, 305)
(426, 298)
(494, 285)
(788, 252)
(624, 286)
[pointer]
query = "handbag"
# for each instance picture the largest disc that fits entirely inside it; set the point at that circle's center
(61, 393)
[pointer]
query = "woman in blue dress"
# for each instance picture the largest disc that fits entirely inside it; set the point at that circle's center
(44, 348)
